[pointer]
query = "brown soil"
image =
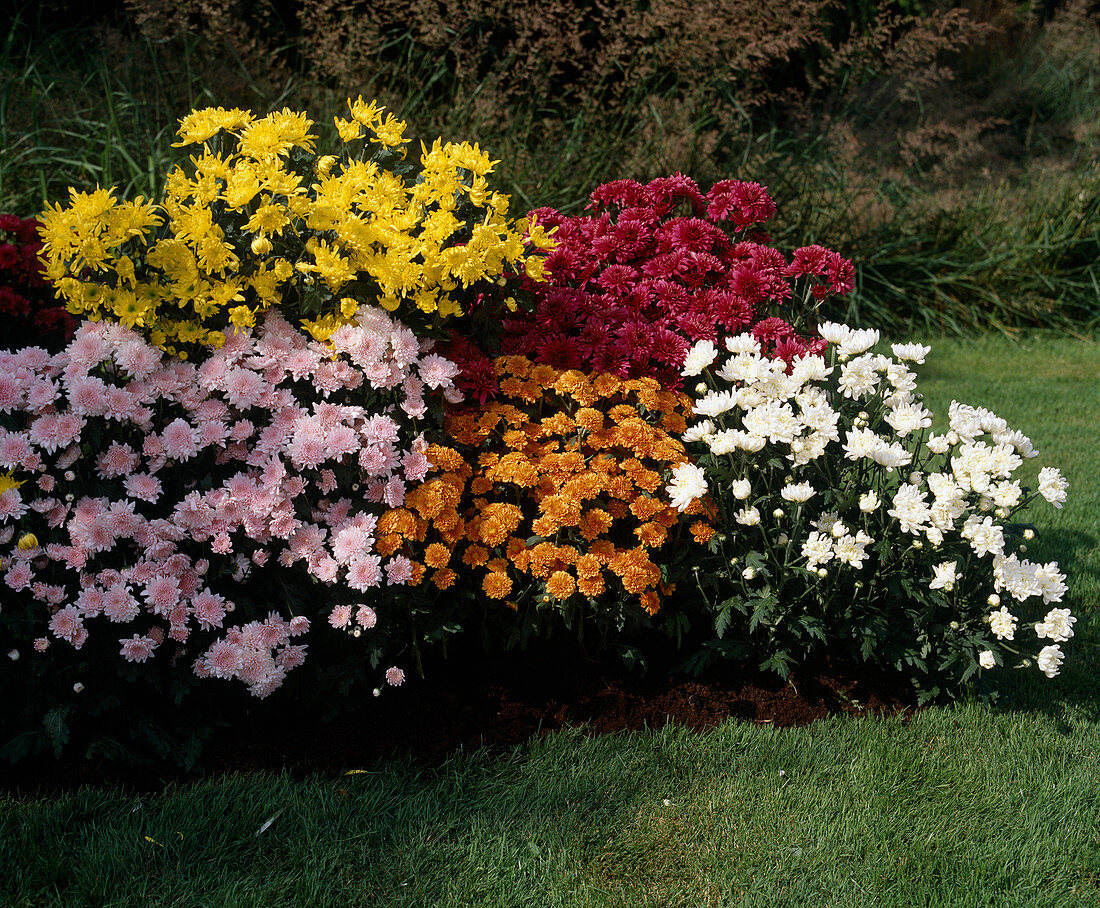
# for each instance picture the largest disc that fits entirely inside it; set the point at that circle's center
(466, 704)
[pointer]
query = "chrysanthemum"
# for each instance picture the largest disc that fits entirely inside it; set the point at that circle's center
(689, 482)
(496, 585)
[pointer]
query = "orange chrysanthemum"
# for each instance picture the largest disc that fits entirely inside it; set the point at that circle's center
(594, 522)
(444, 578)
(651, 602)
(588, 566)
(437, 555)
(497, 521)
(702, 532)
(560, 585)
(643, 507)
(651, 534)
(475, 555)
(588, 419)
(591, 586)
(496, 586)
(387, 544)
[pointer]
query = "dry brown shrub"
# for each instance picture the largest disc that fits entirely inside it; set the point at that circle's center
(249, 32)
(574, 48)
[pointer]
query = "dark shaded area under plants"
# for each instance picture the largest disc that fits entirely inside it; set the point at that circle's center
(471, 701)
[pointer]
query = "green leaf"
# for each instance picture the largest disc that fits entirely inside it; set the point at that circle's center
(57, 729)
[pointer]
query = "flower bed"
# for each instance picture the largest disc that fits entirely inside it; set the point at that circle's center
(325, 410)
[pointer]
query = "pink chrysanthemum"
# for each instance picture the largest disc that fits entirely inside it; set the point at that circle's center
(137, 648)
(181, 440)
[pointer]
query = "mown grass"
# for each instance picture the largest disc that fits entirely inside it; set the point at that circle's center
(963, 805)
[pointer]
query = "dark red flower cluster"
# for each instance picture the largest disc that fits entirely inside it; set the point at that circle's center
(28, 308)
(658, 266)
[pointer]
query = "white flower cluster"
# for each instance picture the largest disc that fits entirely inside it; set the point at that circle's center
(858, 423)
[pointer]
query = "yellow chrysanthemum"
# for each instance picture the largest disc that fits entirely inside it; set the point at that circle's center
(201, 125)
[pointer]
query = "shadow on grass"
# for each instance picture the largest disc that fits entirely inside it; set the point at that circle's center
(1073, 695)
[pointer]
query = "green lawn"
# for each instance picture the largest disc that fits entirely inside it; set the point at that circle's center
(963, 805)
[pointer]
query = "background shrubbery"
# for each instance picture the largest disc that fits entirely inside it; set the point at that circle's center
(958, 141)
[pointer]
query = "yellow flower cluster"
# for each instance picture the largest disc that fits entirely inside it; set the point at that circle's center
(260, 220)
(563, 495)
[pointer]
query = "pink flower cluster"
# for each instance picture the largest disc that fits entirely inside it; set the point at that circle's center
(145, 479)
(634, 284)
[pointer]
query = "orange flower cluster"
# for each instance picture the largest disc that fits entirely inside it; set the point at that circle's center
(562, 493)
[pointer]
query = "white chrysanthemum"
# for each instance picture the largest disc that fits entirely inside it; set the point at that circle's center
(749, 397)
(902, 380)
(834, 333)
(1018, 440)
(741, 489)
(774, 421)
(972, 466)
(1003, 623)
(749, 441)
(862, 443)
(984, 536)
(744, 367)
(743, 343)
(1050, 660)
(965, 421)
(858, 341)
(1004, 461)
(801, 491)
(1015, 577)
(724, 442)
(715, 403)
(1006, 494)
(808, 448)
(986, 659)
(914, 353)
(858, 378)
(699, 431)
(944, 576)
(1051, 582)
(1052, 486)
(851, 549)
(868, 501)
(747, 517)
(1057, 625)
(817, 549)
(892, 456)
(701, 355)
(689, 482)
(777, 384)
(938, 444)
(910, 509)
(809, 368)
(907, 418)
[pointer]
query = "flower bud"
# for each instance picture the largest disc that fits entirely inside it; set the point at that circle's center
(822, 572)
(778, 512)
(1029, 534)
(324, 165)
(782, 539)
(27, 542)
(78, 687)
(748, 573)
(994, 600)
(14, 655)
(701, 388)
(69, 475)
(261, 245)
